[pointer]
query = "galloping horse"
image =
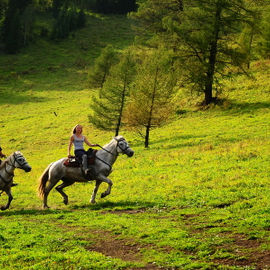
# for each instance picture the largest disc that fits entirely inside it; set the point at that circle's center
(16, 160)
(102, 166)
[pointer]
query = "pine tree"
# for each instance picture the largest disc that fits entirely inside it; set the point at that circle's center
(203, 35)
(108, 108)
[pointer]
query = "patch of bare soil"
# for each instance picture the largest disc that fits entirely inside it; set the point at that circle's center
(124, 249)
(108, 244)
(114, 247)
(250, 252)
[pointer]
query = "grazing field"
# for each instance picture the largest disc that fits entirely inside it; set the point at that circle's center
(198, 198)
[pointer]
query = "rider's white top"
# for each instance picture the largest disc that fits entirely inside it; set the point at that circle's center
(78, 142)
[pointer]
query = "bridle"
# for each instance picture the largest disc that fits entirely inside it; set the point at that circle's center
(117, 153)
(118, 141)
(21, 163)
(12, 164)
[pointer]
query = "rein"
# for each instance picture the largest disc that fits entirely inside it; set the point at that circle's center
(11, 164)
(107, 150)
(10, 174)
(105, 162)
(123, 150)
(115, 155)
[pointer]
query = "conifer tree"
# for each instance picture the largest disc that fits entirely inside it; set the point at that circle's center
(150, 103)
(264, 39)
(103, 63)
(202, 34)
(108, 108)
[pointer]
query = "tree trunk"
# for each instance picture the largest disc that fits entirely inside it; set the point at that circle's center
(181, 5)
(149, 124)
(250, 46)
(121, 107)
(208, 92)
(146, 141)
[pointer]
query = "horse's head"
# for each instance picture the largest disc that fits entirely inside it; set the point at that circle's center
(19, 161)
(123, 147)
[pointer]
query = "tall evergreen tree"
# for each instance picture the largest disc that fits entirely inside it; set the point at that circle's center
(150, 103)
(108, 108)
(202, 34)
(102, 66)
(264, 39)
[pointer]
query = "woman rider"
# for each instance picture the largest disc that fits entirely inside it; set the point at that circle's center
(77, 139)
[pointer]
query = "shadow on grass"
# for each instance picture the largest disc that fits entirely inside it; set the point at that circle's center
(31, 212)
(246, 107)
(185, 141)
(123, 205)
(13, 98)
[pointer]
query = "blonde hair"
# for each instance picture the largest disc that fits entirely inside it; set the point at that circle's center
(74, 129)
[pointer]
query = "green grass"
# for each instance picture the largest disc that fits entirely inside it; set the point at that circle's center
(198, 198)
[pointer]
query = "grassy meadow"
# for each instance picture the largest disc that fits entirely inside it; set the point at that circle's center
(198, 198)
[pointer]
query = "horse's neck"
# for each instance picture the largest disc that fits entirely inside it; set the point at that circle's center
(6, 168)
(110, 154)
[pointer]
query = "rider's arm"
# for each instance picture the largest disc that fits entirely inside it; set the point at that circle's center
(88, 143)
(70, 144)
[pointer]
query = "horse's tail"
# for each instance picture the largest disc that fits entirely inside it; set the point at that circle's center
(42, 181)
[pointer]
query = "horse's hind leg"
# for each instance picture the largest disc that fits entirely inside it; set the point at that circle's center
(48, 188)
(60, 190)
(10, 198)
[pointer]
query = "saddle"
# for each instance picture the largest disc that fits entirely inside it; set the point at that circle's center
(74, 162)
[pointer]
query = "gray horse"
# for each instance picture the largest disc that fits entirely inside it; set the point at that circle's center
(102, 167)
(16, 160)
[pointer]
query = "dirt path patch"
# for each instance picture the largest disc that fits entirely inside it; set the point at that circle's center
(248, 252)
(106, 243)
(124, 249)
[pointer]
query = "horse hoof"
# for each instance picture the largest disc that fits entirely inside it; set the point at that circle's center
(3, 208)
(93, 202)
(65, 202)
(103, 195)
(46, 207)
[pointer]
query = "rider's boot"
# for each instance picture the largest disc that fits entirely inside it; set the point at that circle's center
(84, 163)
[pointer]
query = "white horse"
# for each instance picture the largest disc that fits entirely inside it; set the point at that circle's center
(16, 160)
(102, 167)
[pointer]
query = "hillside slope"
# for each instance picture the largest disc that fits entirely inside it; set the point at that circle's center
(198, 198)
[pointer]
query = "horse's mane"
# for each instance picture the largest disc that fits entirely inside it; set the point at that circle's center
(117, 138)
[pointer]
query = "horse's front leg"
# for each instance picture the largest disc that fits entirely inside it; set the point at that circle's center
(10, 198)
(93, 197)
(109, 182)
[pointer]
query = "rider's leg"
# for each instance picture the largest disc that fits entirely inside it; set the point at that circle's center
(84, 163)
(2, 164)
